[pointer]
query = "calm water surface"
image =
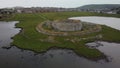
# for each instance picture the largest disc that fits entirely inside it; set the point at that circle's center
(55, 58)
(109, 21)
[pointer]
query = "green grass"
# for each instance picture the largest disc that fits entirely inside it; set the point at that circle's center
(110, 34)
(29, 38)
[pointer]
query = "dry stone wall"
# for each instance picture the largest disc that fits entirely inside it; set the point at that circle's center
(67, 26)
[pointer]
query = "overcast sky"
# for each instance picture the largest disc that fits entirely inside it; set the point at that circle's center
(53, 3)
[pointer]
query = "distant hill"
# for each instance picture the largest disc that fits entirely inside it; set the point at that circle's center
(99, 6)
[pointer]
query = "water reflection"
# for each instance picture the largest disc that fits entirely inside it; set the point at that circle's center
(111, 50)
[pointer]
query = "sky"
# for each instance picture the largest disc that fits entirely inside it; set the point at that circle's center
(53, 3)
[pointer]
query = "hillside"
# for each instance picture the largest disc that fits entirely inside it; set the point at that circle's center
(100, 6)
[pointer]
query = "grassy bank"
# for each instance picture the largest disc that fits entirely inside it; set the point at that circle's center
(30, 39)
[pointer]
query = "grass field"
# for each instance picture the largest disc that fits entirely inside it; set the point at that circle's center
(30, 39)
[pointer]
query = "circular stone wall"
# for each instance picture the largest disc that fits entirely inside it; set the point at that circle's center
(61, 28)
(67, 25)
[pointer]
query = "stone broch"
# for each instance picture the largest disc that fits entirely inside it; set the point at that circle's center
(63, 28)
(67, 25)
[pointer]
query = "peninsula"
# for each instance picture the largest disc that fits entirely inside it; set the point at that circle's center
(42, 31)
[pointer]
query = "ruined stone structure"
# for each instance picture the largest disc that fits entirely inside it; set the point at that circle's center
(63, 28)
(67, 25)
